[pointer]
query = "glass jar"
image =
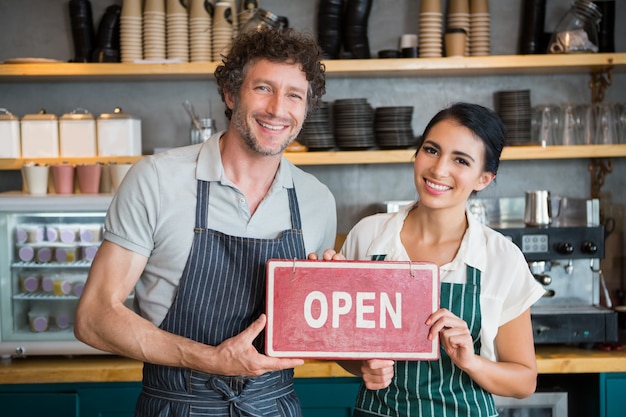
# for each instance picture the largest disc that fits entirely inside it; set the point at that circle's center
(578, 29)
(207, 128)
(261, 19)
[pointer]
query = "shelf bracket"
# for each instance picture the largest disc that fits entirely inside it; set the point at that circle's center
(599, 169)
(601, 79)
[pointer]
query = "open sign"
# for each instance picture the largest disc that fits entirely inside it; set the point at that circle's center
(351, 309)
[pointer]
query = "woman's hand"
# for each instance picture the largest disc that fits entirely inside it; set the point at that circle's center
(377, 373)
(454, 335)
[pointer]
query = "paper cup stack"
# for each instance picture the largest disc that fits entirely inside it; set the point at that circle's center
(154, 35)
(200, 31)
(131, 32)
(459, 18)
(480, 28)
(223, 31)
(177, 20)
(430, 25)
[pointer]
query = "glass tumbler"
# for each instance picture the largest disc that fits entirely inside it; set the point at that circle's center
(207, 128)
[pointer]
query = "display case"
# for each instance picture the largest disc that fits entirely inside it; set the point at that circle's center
(47, 244)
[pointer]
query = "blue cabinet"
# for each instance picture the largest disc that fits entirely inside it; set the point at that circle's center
(613, 394)
(320, 397)
(327, 397)
(69, 400)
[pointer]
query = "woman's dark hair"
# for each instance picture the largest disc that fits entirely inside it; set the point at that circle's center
(484, 123)
(281, 46)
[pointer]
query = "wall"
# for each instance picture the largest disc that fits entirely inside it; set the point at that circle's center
(40, 28)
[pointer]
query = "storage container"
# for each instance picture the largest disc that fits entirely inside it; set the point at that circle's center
(9, 135)
(40, 135)
(77, 134)
(119, 134)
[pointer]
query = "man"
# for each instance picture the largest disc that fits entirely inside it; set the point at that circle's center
(190, 231)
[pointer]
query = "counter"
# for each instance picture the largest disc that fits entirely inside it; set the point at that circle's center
(106, 368)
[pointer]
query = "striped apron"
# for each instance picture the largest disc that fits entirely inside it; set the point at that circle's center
(436, 388)
(221, 292)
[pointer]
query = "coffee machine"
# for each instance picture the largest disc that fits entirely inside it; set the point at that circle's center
(564, 256)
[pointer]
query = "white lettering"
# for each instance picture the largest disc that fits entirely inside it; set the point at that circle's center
(362, 309)
(386, 307)
(342, 304)
(318, 296)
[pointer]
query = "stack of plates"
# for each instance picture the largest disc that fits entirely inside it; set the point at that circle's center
(200, 30)
(154, 34)
(177, 32)
(392, 126)
(515, 111)
(317, 133)
(131, 31)
(223, 31)
(480, 33)
(354, 123)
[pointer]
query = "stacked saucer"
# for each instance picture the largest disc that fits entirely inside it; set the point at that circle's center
(154, 34)
(200, 30)
(392, 126)
(515, 110)
(354, 124)
(177, 31)
(430, 29)
(223, 31)
(131, 31)
(458, 17)
(317, 133)
(480, 28)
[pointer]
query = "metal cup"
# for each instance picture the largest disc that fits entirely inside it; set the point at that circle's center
(538, 208)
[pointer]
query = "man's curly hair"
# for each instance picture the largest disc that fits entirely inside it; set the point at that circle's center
(281, 46)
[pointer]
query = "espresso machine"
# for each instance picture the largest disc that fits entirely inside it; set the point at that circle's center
(563, 254)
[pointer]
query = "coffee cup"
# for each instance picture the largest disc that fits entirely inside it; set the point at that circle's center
(89, 178)
(118, 172)
(63, 178)
(455, 42)
(35, 178)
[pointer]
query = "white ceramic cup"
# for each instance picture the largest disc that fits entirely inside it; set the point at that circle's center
(118, 172)
(35, 178)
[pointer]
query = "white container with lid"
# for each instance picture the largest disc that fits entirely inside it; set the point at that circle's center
(9, 135)
(119, 134)
(77, 134)
(40, 135)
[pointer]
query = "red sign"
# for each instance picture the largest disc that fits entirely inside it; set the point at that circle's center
(351, 309)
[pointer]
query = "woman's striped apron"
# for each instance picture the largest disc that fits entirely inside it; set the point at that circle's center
(436, 388)
(221, 292)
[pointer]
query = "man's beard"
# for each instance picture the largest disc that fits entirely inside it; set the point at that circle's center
(248, 137)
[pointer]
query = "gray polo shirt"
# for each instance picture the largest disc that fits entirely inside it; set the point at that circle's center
(153, 214)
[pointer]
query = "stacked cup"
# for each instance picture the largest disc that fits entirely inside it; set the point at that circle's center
(430, 25)
(458, 17)
(236, 25)
(200, 29)
(480, 28)
(223, 31)
(154, 36)
(177, 20)
(131, 31)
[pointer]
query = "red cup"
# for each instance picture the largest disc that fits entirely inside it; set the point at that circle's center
(63, 178)
(89, 178)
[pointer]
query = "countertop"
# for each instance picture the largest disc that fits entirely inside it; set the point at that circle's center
(108, 368)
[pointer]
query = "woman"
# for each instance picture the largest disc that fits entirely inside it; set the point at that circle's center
(486, 287)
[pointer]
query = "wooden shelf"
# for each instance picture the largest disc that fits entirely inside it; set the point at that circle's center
(511, 153)
(109, 368)
(406, 67)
